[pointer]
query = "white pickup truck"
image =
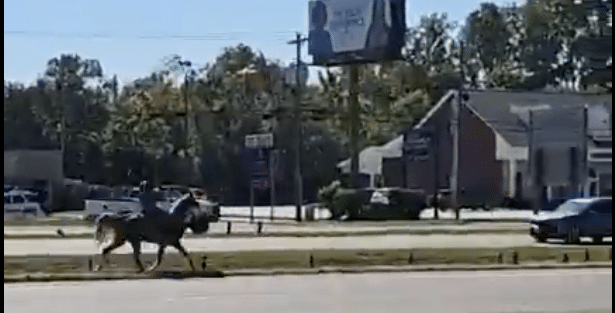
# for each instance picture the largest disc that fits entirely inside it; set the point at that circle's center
(95, 207)
(21, 204)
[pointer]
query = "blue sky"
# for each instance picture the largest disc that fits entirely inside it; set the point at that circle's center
(53, 27)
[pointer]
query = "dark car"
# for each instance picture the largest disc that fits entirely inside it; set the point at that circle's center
(573, 219)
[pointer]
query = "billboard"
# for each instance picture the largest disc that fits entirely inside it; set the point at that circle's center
(356, 31)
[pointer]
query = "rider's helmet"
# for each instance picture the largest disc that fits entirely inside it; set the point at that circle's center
(145, 186)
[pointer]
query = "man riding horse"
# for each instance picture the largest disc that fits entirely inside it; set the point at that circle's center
(147, 198)
(153, 225)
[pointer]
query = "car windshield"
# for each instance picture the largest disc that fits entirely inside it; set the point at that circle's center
(572, 207)
(31, 198)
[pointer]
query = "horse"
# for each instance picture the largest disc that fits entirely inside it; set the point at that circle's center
(159, 227)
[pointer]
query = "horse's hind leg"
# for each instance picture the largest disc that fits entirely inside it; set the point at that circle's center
(136, 253)
(183, 251)
(116, 244)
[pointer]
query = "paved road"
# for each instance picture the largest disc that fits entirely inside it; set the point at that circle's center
(87, 246)
(510, 291)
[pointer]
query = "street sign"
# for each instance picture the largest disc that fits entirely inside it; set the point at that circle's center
(260, 183)
(260, 168)
(259, 141)
(417, 145)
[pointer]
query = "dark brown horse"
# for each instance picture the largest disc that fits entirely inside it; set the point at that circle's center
(159, 227)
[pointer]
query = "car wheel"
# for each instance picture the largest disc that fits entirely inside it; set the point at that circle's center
(541, 238)
(573, 235)
(597, 239)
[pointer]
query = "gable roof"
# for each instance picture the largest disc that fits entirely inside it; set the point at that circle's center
(506, 112)
(370, 158)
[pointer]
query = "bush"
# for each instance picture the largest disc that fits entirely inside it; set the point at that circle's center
(327, 193)
(348, 201)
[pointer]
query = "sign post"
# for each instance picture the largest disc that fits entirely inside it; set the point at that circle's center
(259, 170)
(272, 167)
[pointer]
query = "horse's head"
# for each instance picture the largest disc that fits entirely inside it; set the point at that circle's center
(198, 221)
(194, 217)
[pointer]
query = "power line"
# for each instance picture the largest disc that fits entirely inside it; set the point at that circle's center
(236, 35)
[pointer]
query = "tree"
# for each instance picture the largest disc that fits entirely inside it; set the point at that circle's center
(22, 128)
(492, 36)
(555, 46)
(431, 44)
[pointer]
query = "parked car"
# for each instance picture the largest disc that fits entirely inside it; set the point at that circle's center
(573, 219)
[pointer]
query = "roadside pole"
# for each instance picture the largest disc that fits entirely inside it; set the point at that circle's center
(455, 125)
(585, 148)
(298, 136)
(530, 160)
(353, 105)
(436, 180)
(251, 201)
(272, 157)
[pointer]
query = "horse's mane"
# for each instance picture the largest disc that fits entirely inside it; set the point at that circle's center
(181, 203)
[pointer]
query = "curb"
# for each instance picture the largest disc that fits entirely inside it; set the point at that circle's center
(299, 234)
(415, 268)
(315, 271)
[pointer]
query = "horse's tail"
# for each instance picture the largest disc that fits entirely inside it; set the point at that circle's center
(106, 228)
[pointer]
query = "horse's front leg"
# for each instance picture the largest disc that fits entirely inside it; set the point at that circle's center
(158, 258)
(183, 251)
(136, 253)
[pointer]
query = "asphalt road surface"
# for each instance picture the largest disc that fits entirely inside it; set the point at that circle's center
(509, 291)
(69, 246)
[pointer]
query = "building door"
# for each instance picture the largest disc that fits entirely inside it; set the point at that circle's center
(606, 185)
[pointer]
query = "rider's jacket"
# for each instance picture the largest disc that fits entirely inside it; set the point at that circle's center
(148, 202)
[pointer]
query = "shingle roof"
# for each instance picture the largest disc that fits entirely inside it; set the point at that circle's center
(564, 110)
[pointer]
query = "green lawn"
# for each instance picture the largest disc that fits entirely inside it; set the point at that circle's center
(306, 259)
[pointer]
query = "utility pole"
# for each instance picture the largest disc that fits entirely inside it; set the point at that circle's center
(585, 167)
(353, 106)
(455, 130)
(298, 136)
(187, 65)
(531, 168)
(436, 181)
